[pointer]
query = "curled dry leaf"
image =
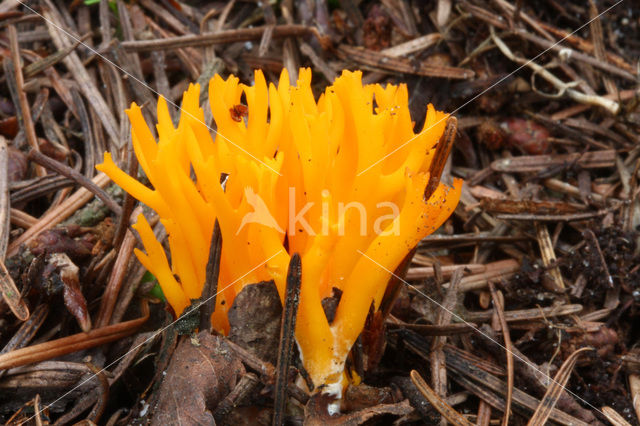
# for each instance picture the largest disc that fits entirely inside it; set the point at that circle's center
(198, 378)
(74, 300)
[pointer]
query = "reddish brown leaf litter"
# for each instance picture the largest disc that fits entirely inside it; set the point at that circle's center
(541, 256)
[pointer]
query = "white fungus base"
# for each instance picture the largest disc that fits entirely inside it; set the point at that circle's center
(335, 390)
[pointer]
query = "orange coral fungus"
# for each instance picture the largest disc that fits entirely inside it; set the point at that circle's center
(340, 181)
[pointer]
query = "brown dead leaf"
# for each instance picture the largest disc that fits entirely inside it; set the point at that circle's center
(199, 376)
(254, 320)
(74, 300)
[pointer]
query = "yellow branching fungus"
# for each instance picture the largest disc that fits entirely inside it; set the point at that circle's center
(331, 180)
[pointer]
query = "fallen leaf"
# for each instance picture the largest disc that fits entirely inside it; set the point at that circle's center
(199, 376)
(254, 320)
(74, 300)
